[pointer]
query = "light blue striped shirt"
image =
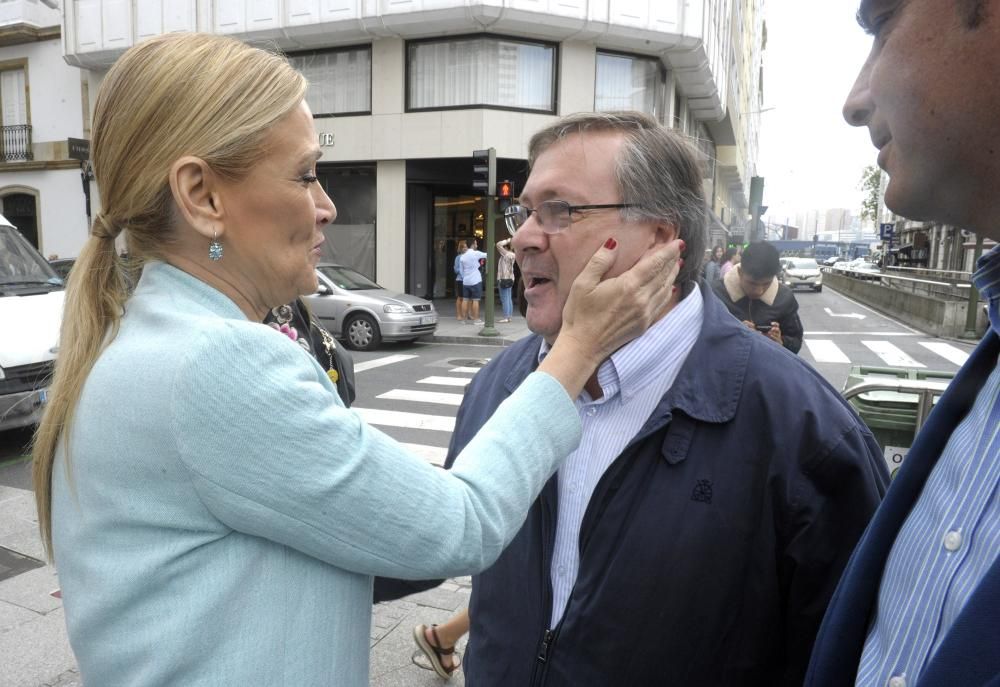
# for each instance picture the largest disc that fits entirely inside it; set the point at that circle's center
(949, 540)
(632, 380)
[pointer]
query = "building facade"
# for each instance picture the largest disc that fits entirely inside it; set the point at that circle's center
(403, 91)
(42, 103)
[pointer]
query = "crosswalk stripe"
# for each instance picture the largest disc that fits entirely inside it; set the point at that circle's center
(434, 455)
(891, 354)
(947, 351)
(469, 370)
(380, 362)
(423, 397)
(445, 381)
(850, 333)
(825, 351)
(396, 418)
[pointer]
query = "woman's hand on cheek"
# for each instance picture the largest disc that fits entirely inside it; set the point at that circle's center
(601, 315)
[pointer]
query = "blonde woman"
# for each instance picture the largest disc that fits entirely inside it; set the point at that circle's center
(216, 514)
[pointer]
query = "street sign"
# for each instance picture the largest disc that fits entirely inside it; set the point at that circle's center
(886, 230)
(79, 149)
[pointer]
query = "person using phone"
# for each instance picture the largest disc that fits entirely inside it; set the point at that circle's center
(755, 296)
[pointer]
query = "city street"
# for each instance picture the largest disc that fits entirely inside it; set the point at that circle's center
(411, 392)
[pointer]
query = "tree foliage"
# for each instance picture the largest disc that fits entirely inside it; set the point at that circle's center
(871, 182)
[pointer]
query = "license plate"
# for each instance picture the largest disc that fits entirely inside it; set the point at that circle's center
(428, 319)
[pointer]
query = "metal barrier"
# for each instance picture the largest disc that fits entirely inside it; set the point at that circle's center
(926, 391)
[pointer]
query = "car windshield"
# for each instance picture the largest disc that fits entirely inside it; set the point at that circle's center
(346, 278)
(802, 264)
(20, 264)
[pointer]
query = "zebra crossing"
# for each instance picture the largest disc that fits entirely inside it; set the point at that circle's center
(441, 392)
(901, 351)
(421, 414)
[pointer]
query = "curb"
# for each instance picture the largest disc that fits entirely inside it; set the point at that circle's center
(471, 340)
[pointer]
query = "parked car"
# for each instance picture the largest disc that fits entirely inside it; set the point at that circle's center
(62, 266)
(363, 314)
(801, 272)
(859, 268)
(31, 305)
(833, 260)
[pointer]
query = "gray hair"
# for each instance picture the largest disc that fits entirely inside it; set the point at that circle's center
(657, 170)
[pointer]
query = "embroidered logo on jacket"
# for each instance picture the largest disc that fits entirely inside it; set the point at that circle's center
(702, 491)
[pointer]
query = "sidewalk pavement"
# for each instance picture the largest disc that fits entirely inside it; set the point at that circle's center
(35, 652)
(452, 330)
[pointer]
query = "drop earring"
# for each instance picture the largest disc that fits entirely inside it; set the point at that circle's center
(215, 248)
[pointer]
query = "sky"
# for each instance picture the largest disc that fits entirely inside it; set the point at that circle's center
(809, 157)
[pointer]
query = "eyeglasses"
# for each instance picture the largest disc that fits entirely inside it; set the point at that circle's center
(553, 216)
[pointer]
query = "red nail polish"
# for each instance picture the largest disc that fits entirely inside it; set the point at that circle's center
(680, 262)
(683, 246)
(610, 243)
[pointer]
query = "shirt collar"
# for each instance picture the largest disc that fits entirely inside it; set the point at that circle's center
(641, 361)
(987, 280)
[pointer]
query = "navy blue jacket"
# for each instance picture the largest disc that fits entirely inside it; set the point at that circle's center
(970, 653)
(710, 547)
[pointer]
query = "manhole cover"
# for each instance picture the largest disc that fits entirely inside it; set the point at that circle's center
(468, 362)
(13, 563)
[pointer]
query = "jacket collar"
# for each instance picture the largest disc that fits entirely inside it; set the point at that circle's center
(710, 382)
(732, 283)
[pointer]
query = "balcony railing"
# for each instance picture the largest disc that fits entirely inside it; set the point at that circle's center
(15, 144)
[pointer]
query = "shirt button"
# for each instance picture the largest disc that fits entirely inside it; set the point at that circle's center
(897, 681)
(953, 540)
(562, 571)
(591, 411)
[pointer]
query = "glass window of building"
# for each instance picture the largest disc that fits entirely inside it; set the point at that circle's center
(483, 71)
(340, 81)
(350, 240)
(630, 82)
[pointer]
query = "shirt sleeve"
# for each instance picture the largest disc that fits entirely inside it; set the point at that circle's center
(272, 452)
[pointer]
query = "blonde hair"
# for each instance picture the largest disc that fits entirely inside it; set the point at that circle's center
(180, 94)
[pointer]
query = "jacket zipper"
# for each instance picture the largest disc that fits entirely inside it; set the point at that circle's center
(547, 643)
(548, 636)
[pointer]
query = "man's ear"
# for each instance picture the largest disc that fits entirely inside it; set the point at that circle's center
(194, 187)
(665, 233)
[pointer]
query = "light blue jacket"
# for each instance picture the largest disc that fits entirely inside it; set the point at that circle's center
(224, 513)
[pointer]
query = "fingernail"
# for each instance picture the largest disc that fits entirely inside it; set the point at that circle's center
(610, 244)
(675, 290)
(680, 262)
(683, 246)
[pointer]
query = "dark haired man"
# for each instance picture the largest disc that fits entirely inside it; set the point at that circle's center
(754, 295)
(695, 535)
(919, 605)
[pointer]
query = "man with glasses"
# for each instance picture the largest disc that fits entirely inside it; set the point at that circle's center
(919, 605)
(695, 536)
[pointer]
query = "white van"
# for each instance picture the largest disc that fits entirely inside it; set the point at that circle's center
(31, 305)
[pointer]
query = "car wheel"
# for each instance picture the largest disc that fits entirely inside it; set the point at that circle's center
(817, 289)
(361, 333)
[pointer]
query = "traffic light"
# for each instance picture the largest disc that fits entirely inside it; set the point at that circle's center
(484, 171)
(505, 190)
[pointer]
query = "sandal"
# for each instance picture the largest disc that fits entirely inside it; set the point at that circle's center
(434, 652)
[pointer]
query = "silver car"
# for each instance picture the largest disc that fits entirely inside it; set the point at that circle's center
(801, 272)
(363, 314)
